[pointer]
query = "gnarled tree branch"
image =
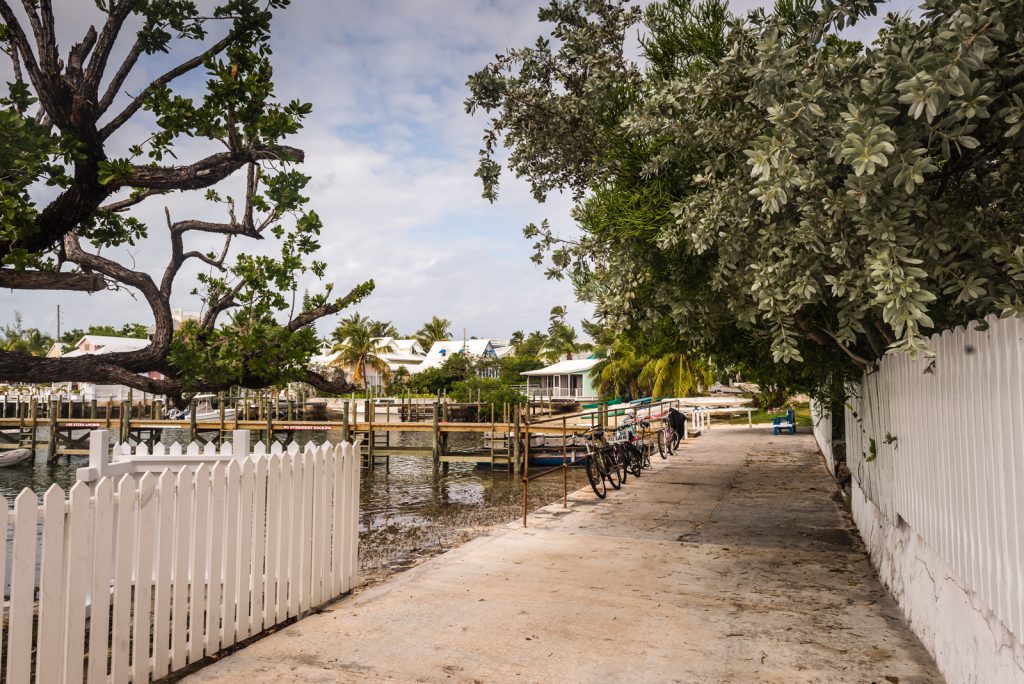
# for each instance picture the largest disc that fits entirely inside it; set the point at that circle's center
(140, 99)
(205, 172)
(51, 280)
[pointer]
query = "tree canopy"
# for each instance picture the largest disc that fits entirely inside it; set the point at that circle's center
(19, 339)
(771, 191)
(66, 124)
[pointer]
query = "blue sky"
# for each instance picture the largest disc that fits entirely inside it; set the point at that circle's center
(392, 155)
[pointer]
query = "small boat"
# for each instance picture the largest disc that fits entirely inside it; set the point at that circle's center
(545, 448)
(15, 457)
(205, 410)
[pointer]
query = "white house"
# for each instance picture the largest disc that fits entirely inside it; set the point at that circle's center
(395, 352)
(442, 350)
(104, 344)
(569, 379)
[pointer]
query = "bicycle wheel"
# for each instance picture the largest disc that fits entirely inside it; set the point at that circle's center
(636, 458)
(594, 475)
(611, 468)
(675, 440)
(661, 444)
(621, 462)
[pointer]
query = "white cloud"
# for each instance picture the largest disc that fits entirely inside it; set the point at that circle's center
(392, 156)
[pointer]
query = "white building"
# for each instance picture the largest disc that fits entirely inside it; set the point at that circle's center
(395, 352)
(102, 344)
(442, 350)
(563, 380)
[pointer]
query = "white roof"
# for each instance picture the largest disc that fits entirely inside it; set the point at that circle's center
(109, 344)
(566, 367)
(441, 350)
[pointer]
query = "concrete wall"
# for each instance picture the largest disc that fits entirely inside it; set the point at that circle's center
(935, 445)
(968, 642)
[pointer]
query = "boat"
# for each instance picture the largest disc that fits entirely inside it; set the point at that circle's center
(15, 457)
(205, 410)
(545, 448)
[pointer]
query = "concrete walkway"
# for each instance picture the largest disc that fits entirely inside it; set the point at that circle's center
(731, 562)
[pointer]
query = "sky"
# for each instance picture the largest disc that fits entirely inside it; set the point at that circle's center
(392, 154)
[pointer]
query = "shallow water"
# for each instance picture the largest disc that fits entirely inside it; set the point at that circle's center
(405, 514)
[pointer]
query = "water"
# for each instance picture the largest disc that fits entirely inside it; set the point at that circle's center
(405, 515)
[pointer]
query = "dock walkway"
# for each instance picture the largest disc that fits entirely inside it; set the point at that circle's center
(731, 562)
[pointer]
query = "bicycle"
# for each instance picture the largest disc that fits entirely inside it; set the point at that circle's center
(668, 438)
(630, 442)
(598, 463)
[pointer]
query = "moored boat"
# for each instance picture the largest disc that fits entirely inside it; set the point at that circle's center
(15, 457)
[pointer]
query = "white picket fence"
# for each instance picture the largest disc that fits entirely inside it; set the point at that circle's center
(938, 444)
(139, 576)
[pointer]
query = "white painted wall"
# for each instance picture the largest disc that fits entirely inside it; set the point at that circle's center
(968, 642)
(822, 428)
(936, 449)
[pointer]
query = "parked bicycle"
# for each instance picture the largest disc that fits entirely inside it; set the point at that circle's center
(632, 442)
(601, 464)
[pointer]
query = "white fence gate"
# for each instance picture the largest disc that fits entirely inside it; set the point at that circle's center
(141, 575)
(938, 443)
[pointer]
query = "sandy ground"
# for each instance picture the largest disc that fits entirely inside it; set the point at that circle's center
(731, 562)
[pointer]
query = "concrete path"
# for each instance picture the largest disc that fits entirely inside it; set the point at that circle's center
(731, 562)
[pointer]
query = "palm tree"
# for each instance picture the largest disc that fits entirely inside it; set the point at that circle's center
(618, 371)
(399, 377)
(383, 329)
(349, 324)
(434, 330)
(358, 322)
(31, 341)
(676, 374)
(358, 349)
(562, 341)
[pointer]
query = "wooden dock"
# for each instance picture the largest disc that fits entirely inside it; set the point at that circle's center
(68, 425)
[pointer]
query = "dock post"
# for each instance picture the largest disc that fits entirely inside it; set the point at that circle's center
(220, 416)
(92, 408)
(493, 436)
(192, 420)
(565, 466)
(51, 439)
(344, 421)
(516, 452)
(370, 433)
(437, 440)
(35, 420)
(126, 418)
(270, 427)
